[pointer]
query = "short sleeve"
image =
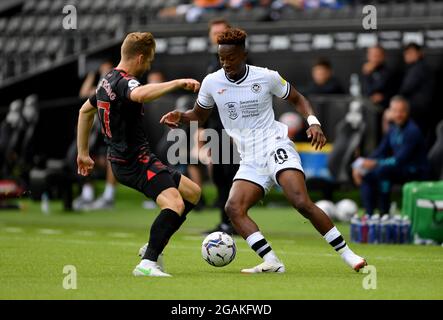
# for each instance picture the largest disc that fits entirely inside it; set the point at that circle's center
(93, 100)
(205, 99)
(125, 86)
(278, 86)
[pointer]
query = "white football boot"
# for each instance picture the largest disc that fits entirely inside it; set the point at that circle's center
(160, 261)
(148, 268)
(354, 261)
(267, 266)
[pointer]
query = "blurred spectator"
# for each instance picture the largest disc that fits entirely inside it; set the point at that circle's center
(400, 157)
(284, 4)
(215, 27)
(155, 76)
(313, 4)
(222, 174)
(417, 86)
(11, 130)
(323, 80)
(193, 12)
(376, 77)
(92, 78)
(86, 199)
(238, 4)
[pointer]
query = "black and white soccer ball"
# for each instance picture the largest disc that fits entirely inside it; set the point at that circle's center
(218, 249)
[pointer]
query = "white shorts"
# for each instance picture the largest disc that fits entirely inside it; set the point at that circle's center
(284, 156)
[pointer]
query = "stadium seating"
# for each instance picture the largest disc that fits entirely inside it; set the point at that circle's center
(111, 18)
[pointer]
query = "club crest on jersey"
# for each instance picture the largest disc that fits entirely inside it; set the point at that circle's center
(232, 110)
(256, 88)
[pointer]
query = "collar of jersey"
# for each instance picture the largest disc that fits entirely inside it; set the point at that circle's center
(241, 79)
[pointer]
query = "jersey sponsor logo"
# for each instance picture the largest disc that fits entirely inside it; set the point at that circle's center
(256, 88)
(132, 84)
(232, 110)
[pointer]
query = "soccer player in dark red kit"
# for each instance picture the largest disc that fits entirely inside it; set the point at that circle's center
(118, 101)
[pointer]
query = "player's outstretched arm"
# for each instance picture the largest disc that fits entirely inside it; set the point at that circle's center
(152, 91)
(174, 118)
(314, 132)
(85, 122)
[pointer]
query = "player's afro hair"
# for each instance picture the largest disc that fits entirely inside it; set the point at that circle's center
(233, 36)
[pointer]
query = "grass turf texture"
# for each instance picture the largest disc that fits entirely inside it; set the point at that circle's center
(103, 245)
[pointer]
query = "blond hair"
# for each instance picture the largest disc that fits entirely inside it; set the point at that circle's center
(137, 43)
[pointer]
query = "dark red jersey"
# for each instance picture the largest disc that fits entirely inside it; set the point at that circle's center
(120, 118)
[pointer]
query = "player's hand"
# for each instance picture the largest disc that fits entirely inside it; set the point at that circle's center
(318, 139)
(189, 84)
(84, 165)
(171, 119)
(369, 164)
(357, 177)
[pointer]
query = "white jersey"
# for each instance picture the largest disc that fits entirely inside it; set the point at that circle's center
(246, 110)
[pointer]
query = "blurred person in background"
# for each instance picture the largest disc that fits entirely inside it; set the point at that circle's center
(377, 84)
(376, 76)
(222, 174)
(86, 200)
(400, 157)
(323, 80)
(193, 11)
(417, 87)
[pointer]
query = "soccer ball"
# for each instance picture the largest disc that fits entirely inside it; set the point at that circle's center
(218, 249)
(346, 208)
(328, 207)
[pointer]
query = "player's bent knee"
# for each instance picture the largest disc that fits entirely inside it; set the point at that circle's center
(302, 204)
(171, 199)
(234, 210)
(177, 205)
(196, 193)
(190, 190)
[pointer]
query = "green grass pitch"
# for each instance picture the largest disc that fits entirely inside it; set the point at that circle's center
(103, 246)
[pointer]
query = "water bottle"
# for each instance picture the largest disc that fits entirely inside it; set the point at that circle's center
(44, 204)
(373, 228)
(364, 228)
(384, 231)
(396, 228)
(393, 209)
(355, 228)
(406, 230)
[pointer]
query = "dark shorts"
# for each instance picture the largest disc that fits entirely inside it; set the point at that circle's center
(146, 174)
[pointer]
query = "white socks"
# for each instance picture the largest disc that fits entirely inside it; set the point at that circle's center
(259, 244)
(109, 192)
(335, 239)
(87, 192)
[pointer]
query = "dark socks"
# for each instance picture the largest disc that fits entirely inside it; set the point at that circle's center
(164, 226)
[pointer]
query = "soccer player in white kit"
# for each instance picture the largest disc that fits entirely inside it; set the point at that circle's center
(243, 95)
